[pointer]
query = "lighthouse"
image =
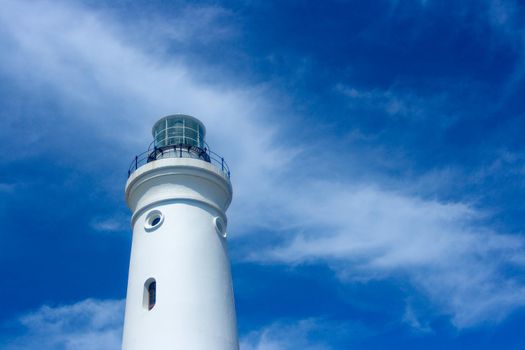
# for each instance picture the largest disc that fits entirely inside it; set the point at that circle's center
(180, 293)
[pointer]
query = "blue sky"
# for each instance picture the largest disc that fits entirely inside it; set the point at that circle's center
(377, 159)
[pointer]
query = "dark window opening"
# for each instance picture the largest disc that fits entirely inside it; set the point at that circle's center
(155, 221)
(152, 295)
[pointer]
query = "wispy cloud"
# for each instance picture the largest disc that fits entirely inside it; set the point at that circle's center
(309, 334)
(97, 324)
(87, 325)
(282, 337)
(117, 88)
(113, 224)
(399, 103)
(412, 319)
(442, 248)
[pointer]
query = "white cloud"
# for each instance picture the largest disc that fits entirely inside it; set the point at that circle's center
(113, 224)
(442, 248)
(411, 318)
(87, 325)
(115, 86)
(97, 324)
(308, 334)
(286, 336)
(399, 103)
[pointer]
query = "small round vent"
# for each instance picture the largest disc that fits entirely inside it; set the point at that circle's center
(153, 220)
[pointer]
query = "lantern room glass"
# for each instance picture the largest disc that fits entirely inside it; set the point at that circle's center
(178, 130)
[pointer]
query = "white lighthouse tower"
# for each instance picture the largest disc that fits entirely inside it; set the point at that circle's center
(180, 293)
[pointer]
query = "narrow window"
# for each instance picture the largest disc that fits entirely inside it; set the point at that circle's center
(152, 294)
(220, 226)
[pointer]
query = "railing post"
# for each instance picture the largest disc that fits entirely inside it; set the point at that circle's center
(136, 162)
(222, 163)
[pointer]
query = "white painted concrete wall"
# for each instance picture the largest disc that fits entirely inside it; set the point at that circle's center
(186, 255)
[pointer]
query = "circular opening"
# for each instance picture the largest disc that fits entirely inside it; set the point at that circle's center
(220, 226)
(153, 220)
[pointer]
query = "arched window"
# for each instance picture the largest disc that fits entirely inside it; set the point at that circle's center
(150, 293)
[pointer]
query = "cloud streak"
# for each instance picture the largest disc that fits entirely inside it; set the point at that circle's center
(443, 248)
(87, 325)
(97, 324)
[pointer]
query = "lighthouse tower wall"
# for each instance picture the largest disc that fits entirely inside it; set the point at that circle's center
(179, 243)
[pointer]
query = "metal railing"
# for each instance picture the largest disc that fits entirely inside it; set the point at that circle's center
(179, 151)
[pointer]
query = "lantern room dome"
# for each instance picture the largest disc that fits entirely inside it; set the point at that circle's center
(179, 136)
(179, 129)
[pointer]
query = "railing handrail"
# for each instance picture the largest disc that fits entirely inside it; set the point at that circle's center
(179, 151)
